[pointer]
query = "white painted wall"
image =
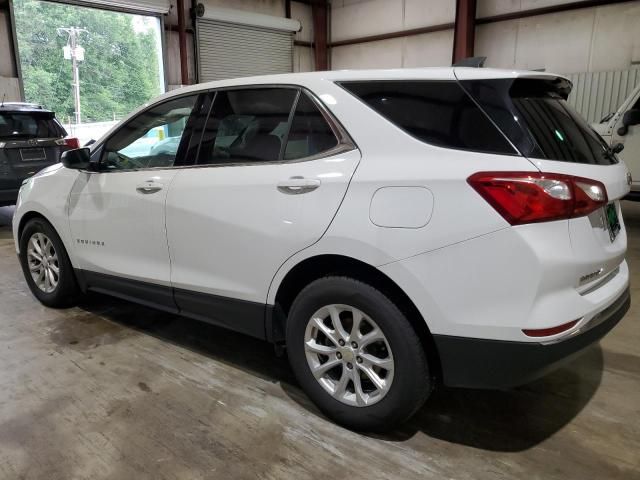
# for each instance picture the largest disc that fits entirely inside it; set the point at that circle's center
(585, 40)
(589, 39)
(426, 50)
(361, 18)
(488, 8)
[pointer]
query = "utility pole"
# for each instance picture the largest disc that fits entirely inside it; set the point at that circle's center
(75, 53)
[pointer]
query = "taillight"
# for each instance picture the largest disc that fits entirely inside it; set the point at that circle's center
(71, 142)
(529, 197)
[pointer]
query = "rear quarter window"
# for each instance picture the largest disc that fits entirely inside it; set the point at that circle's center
(436, 112)
(535, 116)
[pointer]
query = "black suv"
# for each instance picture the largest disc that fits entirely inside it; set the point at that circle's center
(31, 138)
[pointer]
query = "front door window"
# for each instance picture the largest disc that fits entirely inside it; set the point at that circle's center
(151, 139)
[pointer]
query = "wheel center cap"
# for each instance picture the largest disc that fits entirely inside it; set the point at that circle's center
(347, 354)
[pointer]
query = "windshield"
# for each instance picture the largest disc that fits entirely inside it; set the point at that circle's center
(535, 116)
(19, 125)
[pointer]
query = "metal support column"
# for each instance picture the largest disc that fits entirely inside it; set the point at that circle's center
(464, 30)
(320, 27)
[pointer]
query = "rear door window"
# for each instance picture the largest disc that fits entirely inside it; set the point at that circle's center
(24, 125)
(435, 112)
(247, 126)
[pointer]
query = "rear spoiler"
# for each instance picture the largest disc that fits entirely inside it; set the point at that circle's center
(474, 62)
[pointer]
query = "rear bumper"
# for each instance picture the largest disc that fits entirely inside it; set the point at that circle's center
(482, 363)
(633, 195)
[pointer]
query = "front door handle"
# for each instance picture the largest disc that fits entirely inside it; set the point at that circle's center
(149, 187)
(298, 185)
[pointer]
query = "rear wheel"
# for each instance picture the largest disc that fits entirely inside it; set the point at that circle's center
(356, 355)
(46, 265)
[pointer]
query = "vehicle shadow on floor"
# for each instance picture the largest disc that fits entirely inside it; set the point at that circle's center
(512, 420)
(507, 421)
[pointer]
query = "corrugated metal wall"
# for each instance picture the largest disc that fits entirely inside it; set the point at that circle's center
(596, 94)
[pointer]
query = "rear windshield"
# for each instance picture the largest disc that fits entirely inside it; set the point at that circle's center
(436, 112)
(17, 125)
(535, 116)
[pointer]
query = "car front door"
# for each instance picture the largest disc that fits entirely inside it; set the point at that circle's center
(272, 170)
(117, 213)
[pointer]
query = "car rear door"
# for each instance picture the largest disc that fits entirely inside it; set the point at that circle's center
(272, 170)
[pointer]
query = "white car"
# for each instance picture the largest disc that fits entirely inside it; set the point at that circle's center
(621, 130)
(394, 229)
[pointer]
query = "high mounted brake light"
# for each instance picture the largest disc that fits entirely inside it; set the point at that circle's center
(530, 197)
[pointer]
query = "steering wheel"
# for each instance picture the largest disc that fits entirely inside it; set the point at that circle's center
(128, 163)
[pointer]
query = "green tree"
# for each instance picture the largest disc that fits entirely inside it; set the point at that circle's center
(120, 71)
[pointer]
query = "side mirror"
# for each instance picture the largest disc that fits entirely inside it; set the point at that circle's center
(631, 117)
(76, 159)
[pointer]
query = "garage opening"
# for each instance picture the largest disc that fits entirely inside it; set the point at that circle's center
(233, 43)
(91, 66)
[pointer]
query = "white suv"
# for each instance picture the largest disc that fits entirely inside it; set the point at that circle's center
(393, 229)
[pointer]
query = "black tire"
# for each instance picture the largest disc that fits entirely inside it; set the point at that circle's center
(66, 292)
(411, 384)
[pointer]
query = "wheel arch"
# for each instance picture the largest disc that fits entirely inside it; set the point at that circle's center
(31, 214)
(313, 268)
(28, 216)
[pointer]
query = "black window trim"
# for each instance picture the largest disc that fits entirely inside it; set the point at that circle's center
(345, 142)
(514, 153)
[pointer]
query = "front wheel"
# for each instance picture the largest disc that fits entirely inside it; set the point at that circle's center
(356, 355)
(46, 265)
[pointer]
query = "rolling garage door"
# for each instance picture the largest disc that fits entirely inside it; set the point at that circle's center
(237, 44)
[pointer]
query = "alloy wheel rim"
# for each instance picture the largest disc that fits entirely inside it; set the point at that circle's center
(349, 355)
(43, 263)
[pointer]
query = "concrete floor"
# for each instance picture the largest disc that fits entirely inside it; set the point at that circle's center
(110, 390)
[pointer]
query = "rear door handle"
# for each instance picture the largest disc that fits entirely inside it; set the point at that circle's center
(149, 187)
(298, 185)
